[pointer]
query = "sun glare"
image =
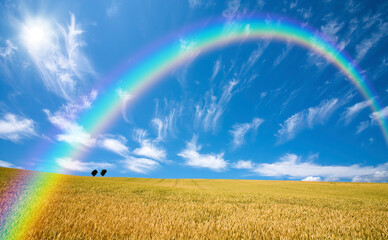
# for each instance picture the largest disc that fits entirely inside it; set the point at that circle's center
(36, 35)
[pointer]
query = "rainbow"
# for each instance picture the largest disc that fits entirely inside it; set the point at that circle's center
(156, 63)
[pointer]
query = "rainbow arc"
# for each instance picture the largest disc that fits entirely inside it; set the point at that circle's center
(149, 70)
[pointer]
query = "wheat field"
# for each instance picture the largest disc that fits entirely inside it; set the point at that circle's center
(146, 208)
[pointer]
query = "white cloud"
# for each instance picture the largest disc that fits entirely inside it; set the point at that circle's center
(75, 165)
(115, 144)
(14, 128)
(193, 158)
(307, 118)
(64, 119)
(312, 179)
(211, 111)
(352, 111)
(8, 50)
(243, 165)
(363, 48)
(55, 51)
(377, 115)
(331, 179)
(290, 165)
(140, 165)
(6, 164)
(362, 126)
(379, 176)
(147, 147)
(75, 135)
(241, 129)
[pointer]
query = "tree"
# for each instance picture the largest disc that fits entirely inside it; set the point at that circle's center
(94, 173)
(103, 172)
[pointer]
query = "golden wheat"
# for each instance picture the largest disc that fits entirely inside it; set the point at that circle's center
(141, 208)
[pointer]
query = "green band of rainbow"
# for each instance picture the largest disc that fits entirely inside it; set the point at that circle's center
(147, 72)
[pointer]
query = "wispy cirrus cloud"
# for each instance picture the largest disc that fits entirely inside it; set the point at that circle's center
(332, 28)
(15, 128)
(292, 166)
(208, 114)
(195, 3)
(126, 97)
(148, 148)
(307, 118)
(353, 110)
(352, 6)
(362, 126)
(64, 119)
(113, 9)
(241, 129)
(216, 68)
(194, 158)
(73, 133)
(383, 113)
(254, 56)
(305, 12)
(365, 45)
(71, 110)
(232, 10)
(8, 50)
(56, 53)
(165, 118)
(186, 46)
(284, 54)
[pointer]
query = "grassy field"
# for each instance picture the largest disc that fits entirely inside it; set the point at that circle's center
(144, 208)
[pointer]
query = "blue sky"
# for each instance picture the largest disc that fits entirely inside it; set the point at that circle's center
(254, 110)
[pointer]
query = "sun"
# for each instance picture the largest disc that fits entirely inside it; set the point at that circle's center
(36, 35)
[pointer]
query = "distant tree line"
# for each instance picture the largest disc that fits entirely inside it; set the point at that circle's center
(103, 172)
